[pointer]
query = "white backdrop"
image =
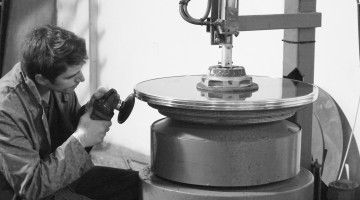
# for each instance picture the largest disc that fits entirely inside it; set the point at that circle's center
(140, 40)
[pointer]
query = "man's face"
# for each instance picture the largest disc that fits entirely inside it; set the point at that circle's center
(68, 80)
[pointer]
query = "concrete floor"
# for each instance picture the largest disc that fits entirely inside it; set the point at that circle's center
(110, 155)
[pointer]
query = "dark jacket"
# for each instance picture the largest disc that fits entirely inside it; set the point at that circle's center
(28, 170)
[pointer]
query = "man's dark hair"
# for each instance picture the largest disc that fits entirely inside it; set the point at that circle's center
(49, 49)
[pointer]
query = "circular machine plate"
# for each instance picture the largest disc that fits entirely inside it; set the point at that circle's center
(222, 156)
(300, 188)
(177, 97)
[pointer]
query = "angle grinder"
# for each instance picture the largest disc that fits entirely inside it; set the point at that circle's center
(103, 108)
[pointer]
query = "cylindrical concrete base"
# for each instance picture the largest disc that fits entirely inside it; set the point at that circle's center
(225, 156)
(298, 188)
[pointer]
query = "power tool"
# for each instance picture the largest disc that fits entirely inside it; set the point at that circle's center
(103, 108)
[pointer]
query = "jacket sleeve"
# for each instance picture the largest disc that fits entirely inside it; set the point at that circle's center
(30, 176)
(75, 112)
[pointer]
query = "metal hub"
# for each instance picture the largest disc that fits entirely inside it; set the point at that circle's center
(227, 79)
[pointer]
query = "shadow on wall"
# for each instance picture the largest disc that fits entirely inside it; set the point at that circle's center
(24, 15)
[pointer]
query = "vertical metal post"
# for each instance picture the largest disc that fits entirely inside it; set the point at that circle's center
(227, 9)
(93, 45)
(298, 63)
(226, 55)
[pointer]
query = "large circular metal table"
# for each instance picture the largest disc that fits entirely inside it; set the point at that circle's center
(177, 97)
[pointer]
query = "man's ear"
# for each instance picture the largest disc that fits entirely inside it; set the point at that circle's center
(41, 80)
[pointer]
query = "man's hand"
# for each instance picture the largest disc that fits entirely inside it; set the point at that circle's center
(90, 132)
(97, 95)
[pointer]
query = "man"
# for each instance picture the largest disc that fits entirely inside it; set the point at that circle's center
(42, 135)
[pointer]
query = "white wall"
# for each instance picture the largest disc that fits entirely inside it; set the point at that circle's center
(337, 68)
(140, 40)
(74, 16)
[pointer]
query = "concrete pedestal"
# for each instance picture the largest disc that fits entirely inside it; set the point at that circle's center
(225, 156)
(298, 188)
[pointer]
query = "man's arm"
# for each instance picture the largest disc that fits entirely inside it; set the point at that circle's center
(30, 176)
(76, 110)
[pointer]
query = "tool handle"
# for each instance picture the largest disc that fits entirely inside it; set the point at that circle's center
(103, 108)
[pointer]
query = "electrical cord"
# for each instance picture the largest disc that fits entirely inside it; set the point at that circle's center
(349, 143)
(208, 7)
(187, 17)
(323, 144)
